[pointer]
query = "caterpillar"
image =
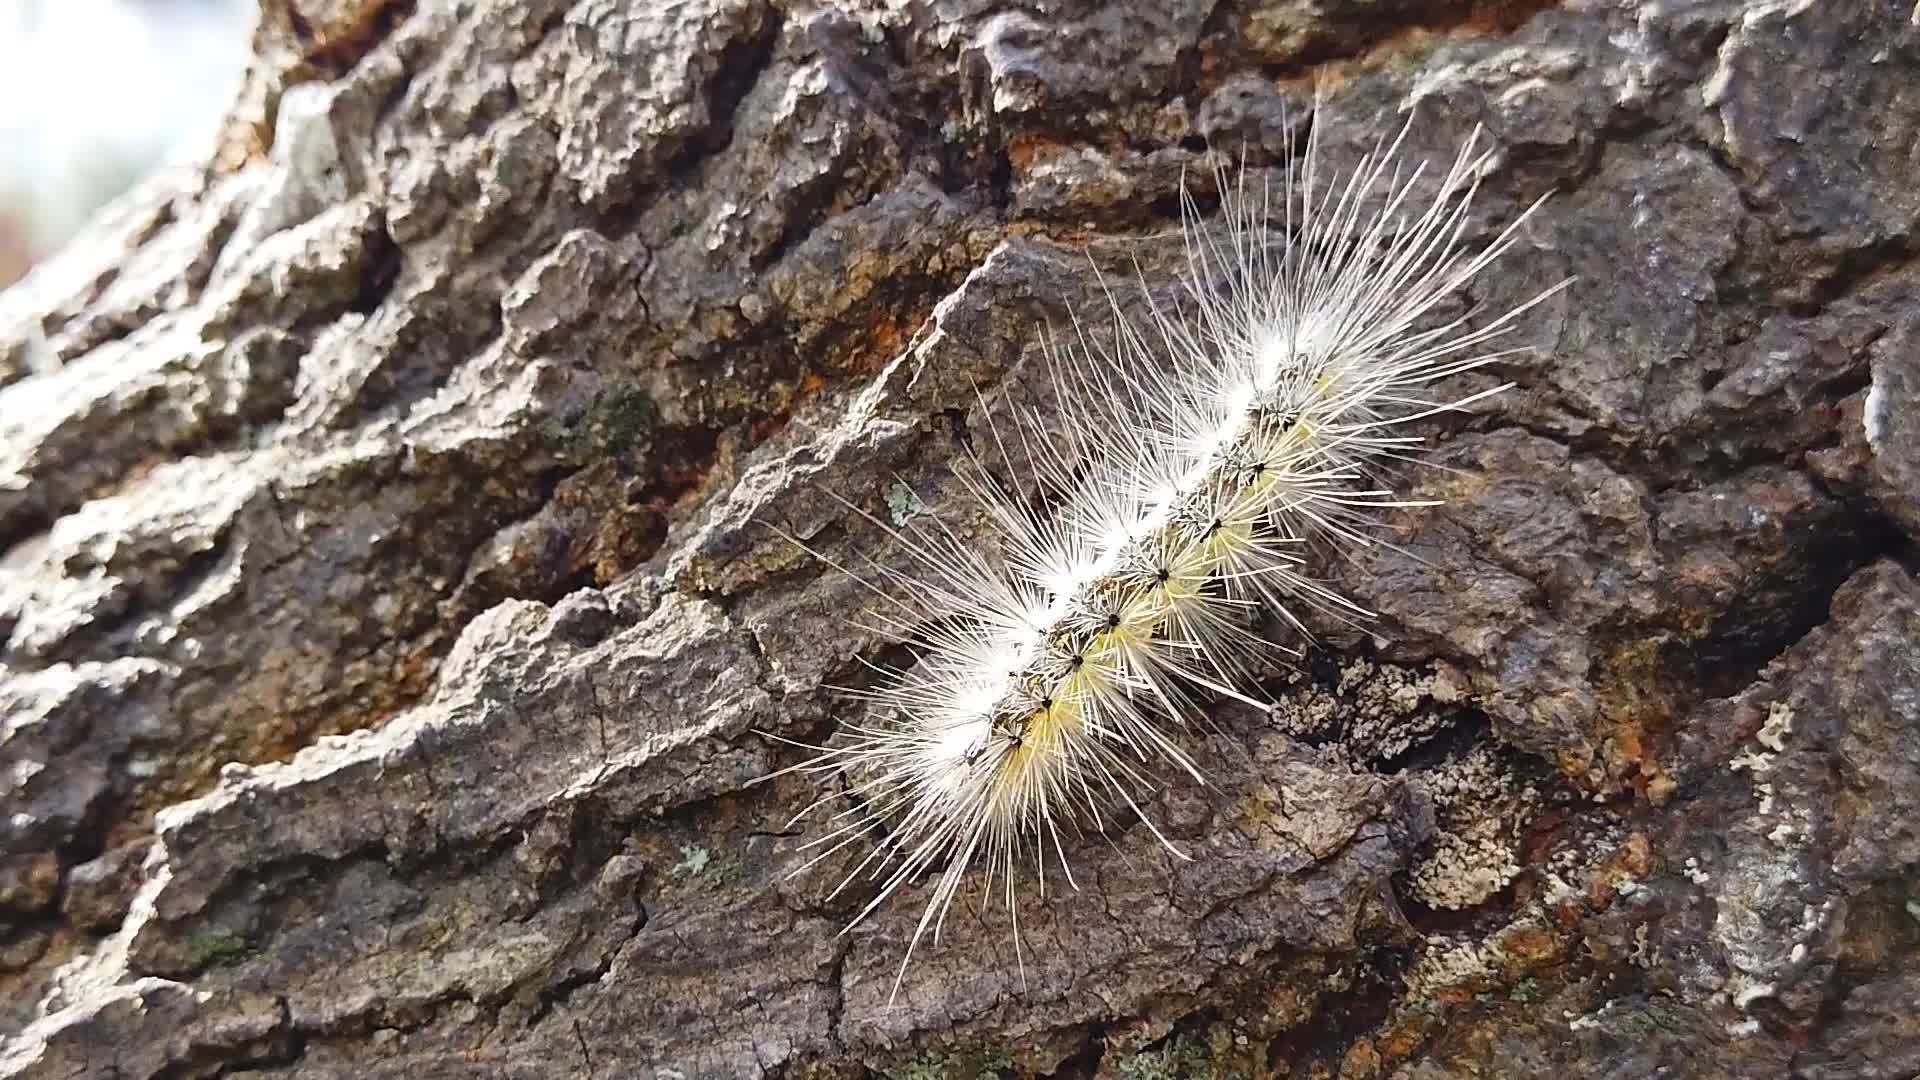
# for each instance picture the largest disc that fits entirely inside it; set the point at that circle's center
(1199, 459)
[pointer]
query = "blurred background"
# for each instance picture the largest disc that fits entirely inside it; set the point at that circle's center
(94, 94)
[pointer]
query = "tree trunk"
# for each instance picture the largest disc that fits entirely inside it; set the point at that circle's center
(394, 632)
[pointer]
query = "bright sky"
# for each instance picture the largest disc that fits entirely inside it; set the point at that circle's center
(94, 93)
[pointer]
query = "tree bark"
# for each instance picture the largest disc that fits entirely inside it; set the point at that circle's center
(393, 632)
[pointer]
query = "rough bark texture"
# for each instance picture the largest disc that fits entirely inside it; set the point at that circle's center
(390, 630)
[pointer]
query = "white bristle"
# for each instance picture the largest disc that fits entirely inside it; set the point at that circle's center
(1198, 462)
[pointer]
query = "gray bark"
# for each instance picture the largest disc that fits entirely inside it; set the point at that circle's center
(392, 633)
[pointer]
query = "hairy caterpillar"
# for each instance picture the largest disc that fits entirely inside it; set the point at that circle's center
(1200, 459)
